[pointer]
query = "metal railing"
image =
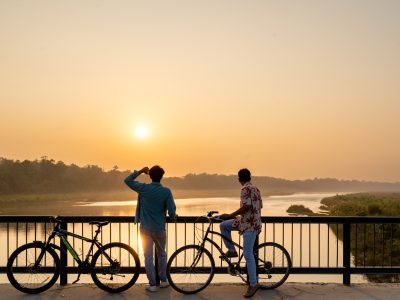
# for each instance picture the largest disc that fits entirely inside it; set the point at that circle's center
(317, 245)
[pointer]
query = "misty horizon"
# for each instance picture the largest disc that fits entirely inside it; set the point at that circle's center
(201, 172)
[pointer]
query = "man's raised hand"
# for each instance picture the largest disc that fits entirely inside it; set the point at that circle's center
(144, 170)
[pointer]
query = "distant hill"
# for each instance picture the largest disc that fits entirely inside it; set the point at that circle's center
(278, 185)
(48, 176)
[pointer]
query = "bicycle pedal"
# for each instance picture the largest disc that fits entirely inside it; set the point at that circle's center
(231, 271)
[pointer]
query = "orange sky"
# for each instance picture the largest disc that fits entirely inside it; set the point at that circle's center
(292, 89)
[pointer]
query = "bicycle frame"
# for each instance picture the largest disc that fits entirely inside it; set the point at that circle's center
(264, 268)
(207, 239)
(62, 234)
(43, 262)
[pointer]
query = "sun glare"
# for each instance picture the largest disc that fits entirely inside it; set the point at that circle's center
(141, 132)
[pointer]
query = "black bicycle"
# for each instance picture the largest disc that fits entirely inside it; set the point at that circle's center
(35, 267)
(191, 268)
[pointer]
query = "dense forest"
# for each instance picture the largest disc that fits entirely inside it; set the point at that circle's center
(48, 176)
(363, 204)
(371, 244)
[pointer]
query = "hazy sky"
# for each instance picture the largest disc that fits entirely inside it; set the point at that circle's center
(292, 89)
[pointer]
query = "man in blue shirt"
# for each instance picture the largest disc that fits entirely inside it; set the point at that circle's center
(153, 202)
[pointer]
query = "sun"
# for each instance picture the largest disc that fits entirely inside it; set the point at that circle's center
(141, 132)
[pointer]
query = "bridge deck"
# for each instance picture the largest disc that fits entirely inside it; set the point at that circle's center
(217, 291)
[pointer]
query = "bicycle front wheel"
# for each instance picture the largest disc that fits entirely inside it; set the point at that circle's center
(115, 267)
(32, 268)
(273, 265)
(190, 269)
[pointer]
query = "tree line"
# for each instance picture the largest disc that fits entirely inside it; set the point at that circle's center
(49, 176)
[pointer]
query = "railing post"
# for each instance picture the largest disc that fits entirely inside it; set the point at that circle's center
(346, 252)
(63, 258)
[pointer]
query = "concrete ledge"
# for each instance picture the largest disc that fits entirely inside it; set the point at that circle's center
(304, 291)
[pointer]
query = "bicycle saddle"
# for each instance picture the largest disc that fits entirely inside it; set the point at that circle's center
(99, 223)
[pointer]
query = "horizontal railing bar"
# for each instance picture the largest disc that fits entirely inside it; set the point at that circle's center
(70, 270)
(312, 270)
(375, 270)
(23, 269)
(293, 270)
(192, 219)
(218, 270)
(68, 219)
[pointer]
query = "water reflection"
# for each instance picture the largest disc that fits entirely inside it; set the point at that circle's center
(309, 245)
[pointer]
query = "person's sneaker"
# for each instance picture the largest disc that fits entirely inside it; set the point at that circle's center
(251, 290)
(151, 288)
(229, 254)
(164, 284)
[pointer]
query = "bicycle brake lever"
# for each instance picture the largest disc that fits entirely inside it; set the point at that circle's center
(210, 213)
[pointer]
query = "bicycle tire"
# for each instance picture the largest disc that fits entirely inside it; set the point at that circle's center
(195, 250)
(131, 256)
(270, 265)
(14, 259)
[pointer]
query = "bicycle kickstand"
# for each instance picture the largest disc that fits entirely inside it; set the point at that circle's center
(77, 279)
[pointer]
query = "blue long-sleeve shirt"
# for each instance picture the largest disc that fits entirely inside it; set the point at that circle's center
(153, 202)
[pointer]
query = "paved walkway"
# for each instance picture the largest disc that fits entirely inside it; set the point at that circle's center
(216, 291)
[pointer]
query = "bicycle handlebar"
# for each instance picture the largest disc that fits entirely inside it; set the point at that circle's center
(211, 216)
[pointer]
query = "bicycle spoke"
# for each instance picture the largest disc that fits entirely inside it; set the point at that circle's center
(273, 265)
(195, 271)
(28, 278)
(108, 272)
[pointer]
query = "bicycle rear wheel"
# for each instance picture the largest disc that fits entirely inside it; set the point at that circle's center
(273, 265)
(190, 269)
(33, 269)
(115, 267)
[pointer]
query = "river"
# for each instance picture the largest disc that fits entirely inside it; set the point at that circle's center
(273, 205)
(307, 244)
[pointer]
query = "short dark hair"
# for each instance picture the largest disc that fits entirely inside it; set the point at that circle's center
(244, 175)
(156, 173)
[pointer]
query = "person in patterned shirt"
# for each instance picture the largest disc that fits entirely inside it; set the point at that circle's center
(247, 220)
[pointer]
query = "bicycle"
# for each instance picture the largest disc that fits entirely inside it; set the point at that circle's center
(195, 265)
(35, 267)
